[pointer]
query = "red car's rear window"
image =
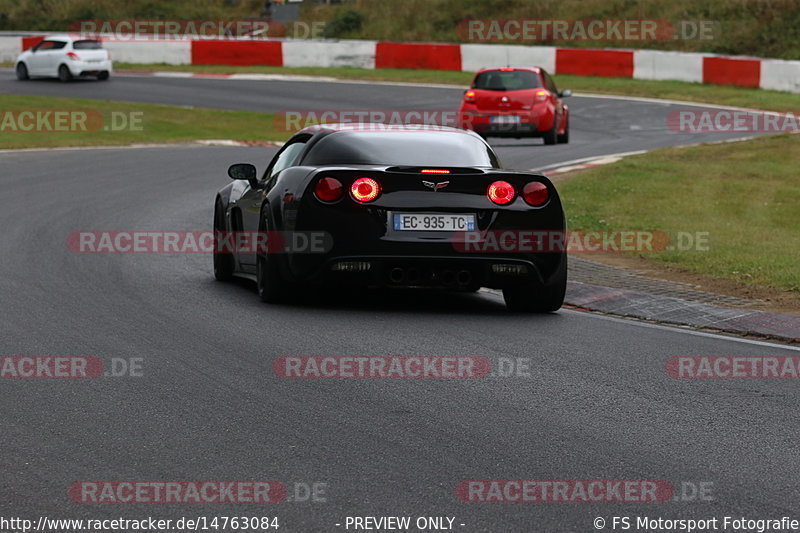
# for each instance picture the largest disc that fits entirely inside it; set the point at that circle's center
(506, 80)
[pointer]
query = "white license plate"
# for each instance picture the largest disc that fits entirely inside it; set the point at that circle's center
(433, 222)
(505, 119)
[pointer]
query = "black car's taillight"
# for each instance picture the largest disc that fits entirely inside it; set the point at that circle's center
(365, 190)
(501, 192)
(329, 190)
(535, 193)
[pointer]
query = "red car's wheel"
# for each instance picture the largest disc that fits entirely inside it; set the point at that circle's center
(563, 138)
(551, 135)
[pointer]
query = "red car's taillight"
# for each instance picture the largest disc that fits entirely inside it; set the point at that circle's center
(501, 192)
(540, 95)
(365, 190)
(329, 189)
(469, 96)
(535, 193)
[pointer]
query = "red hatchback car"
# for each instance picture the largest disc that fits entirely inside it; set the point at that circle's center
(515, 102)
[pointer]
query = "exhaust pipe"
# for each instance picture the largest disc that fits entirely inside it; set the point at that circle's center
(396, 275)
(448, 278)
(464, 277)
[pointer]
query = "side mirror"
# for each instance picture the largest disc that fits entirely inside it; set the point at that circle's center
(243, 171)
(565, 93)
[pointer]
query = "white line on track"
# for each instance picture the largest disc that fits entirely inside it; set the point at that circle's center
(685, 330)
(592, 158)
(688, 330)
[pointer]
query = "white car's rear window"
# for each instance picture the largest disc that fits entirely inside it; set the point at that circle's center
(87, 45)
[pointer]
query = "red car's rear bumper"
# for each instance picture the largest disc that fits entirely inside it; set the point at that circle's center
(532, 122)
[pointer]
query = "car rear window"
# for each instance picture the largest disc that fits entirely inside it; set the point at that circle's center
(506, 80)
(87, 45)
(415, 148)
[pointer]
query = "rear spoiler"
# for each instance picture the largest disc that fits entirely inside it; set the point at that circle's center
(436, 170)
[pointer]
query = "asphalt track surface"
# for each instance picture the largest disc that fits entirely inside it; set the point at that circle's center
(598, 403)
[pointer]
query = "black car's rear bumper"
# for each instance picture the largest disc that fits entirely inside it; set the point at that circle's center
(447, 272)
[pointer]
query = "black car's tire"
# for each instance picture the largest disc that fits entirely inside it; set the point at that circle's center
(22, 72)
(563, 138)
(272, 288)
(539, 299)
(103, 76)
(223, 262)
(550, 136)
(64, 74)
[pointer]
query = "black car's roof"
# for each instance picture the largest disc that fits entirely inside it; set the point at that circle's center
(379, 128)
(383, 144)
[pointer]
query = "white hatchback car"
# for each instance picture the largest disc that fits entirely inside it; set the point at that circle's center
(65, 57)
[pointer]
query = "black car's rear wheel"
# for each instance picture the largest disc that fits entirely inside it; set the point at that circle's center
(223, 262)
(539, 299)
(22, 72)
(272, 287)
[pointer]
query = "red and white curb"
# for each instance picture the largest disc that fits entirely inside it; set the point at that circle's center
(586, 162)
(754, 72)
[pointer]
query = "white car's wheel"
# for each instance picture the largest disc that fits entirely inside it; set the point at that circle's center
(22, 72)
(64, 74)
(103, 76)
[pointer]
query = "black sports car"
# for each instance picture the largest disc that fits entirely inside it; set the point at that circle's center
(393, 206)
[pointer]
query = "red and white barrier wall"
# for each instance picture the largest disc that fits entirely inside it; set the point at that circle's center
(640, 64)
